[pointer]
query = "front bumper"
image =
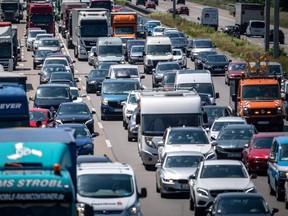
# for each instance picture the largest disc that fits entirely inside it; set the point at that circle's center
(175, 186)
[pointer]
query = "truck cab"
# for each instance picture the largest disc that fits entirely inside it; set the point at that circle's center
(278, 166)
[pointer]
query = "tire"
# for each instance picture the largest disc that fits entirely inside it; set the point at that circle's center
(130, 139)
(286, 202)
(198, 211)
(125, 124)
(163, 195)
(103, 118)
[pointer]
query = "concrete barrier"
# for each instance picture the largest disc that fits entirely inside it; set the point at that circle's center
(138, 8)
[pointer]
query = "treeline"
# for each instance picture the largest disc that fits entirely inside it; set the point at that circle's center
(283, 3)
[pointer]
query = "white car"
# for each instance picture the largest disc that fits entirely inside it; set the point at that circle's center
(214, 177)
(57, 60)
(37, 39)
(31, 35)
(186, 139)
(76, 93)
(125, 71)
(180, 57)
(222, 121)
(128, 107)
(158, 31)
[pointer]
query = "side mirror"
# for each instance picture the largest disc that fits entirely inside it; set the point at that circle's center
(160, 143)
(214, 143)
(153, 70)
(193, 176)
(73, 61)
(95, 54)
(84, 95)
(142, 77)
(198, 18)
(123, 103)
(143, 193)
(98, 93)
(158, 165)
(274, 210)
(74, 98)
(271, 159)
(93, 111)
(246, 145)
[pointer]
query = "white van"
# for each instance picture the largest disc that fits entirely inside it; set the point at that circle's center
(110, 188)
(157, 49)
(124, 71)
(200, 80)
(256, 28)
(209, 17)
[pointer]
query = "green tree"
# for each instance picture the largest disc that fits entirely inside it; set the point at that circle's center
(284, 5)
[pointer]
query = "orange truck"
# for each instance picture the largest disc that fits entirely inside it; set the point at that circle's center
(256, 96)
(124, 24)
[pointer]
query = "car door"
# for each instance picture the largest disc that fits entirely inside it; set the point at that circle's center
(272, 164)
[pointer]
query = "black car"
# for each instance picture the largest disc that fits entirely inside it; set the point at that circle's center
(47, 70)
(231, 139)
(39, 57)
(214, 112)
(50, 96)
(240, 203)
(205, 99)
(66, 77)
(281, 36)
(141, 2)
(94, 80)
(72, 112)
(201, 57)
(216, 64)
(168, 80)
(180, 2)
(105, 65)
(179, 42)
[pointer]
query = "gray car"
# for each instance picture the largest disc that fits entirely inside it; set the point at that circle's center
(214, 177)
(200, 45)
(136, 54)
(173, 171)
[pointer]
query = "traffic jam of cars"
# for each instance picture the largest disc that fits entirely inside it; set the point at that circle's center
(197, 147)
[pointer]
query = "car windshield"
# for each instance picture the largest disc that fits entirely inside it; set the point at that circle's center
(124, 30)
(199, 87)
(159, 29)
(56, 61)
(223, 171)
(50, 69)
(137, 49)
(81, 132)
(237, 67)
(110, 50)
(132, 99)
(105, 185)
(37, 116)
(62, 76)
(98, 73)
(49, 43)
(242, 205)
(32, 34)
(159, 49)
(203, 44)
(133, 72)
(118, 88)
(217, 126)
(73, 109)
(52, 93)
(235, 134)
(260, 92)
(217, 58)
(165, 67)
(178, 40)
(263, 142)
(215, 112)
(187, 137)
(183, 161)
(75, 93)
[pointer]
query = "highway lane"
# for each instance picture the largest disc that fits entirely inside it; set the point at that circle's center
(112, 140)
(224, 19)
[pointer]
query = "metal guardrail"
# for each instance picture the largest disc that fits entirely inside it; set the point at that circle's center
(137, 8)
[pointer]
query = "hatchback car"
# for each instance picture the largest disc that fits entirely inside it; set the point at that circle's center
(161, 68)
(186, 139)
(216, 64)
(39, 57)
(64, 76)
(213, 112)
(231, 140)
(94, 80)
(37, 39)
(48, 69)
(41, 117)
(214, 177)
(128, 107)
(180, 57)
(234, 71)
(68, 58)
(172, 173)
(75, 113)
(57, 60)
(83, 138)
(239, 203)
(183, 10)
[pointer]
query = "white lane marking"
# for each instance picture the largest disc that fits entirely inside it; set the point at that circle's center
(88, 97)
(108, 143)
(76, 71)
(79, 78)
(100, 125)
(21, 65)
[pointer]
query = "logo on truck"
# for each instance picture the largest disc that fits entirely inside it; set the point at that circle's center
(10, 106)
(21, 151)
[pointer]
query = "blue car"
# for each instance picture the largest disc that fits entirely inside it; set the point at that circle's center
(113, 93)
(83, 137)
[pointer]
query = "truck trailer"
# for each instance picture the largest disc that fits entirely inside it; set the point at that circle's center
(87, 25)
(244, 12)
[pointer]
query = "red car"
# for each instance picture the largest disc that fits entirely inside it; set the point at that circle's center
(183, 10)
(40, 117)
(116, 8)
(255, 154)
(235, 69)
(150, 4)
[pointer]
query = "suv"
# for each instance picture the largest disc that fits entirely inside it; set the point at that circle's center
(278, 166)
(199, 45)
(111, 184)
(186, 139)
(161, 68)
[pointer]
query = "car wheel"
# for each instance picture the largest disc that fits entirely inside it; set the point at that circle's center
(34, 66)
(271, 191)
(125, 124)
(198, 211)
(163, 195)
(103, 118)
(286, 201)
(130, 139)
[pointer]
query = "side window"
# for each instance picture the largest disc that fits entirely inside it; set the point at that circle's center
(273, 149)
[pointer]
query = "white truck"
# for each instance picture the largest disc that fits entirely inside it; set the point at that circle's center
(6, 44)
(12, 10)
(88, 24)
(244, 12)
(209, 17)
(159, 110)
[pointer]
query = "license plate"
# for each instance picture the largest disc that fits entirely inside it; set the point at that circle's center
(117, 110)
(263, 122)
(218, 69)
(234, 155)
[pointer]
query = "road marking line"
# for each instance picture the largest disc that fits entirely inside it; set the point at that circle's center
(100, 125)
(108, 143)
(76, 71)
(84, 87)
(79, 78)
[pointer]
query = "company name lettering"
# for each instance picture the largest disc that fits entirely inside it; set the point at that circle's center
(31, 196)
(10, 106)
(31, 183)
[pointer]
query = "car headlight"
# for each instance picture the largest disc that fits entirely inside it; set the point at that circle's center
(122, 60)
(246, 111)
(92, 82)
(133, 210)
(149, 142)
(104, 101)
(129, 111)
(279, 110)
(250, 190)
(168, 180)
(202, 191)
(89, 145)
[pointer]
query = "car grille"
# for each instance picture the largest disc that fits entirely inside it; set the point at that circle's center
(5, 64)
(214, 193)
(115, 104)
(183, 181)
(108, 212)
(233, 149)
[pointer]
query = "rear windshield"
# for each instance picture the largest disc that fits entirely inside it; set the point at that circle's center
(257, 24)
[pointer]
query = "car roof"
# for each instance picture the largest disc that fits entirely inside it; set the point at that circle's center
(54, 65)
(123, 66)
(180, 153)
(264, 135)
(237, 126)
(222, 162)
(186, 129)
(124, 80)
(215, 106)
(168, 62)
(74, 103)
(230, 118)
(93, 159)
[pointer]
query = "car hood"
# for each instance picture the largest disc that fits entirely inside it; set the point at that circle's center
(53, 49)
(230, 144)
(260, 153)
(235, 72)
(98, 79)
(203, 148)
(80, 141)
(217, 63)
(161, 57)
(203, 49)
(49, 102)
(111, 58)
(136, 54)
(179, 172)
(73, 117)
(225, 183)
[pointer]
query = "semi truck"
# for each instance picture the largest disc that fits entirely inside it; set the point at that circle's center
(256, 95)
(65, 8)
(124, 24)
(41, 14)
(12, 10)
(244, 12)
(39, 181)
(107, 4)
(7, 59)
(88, 25)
